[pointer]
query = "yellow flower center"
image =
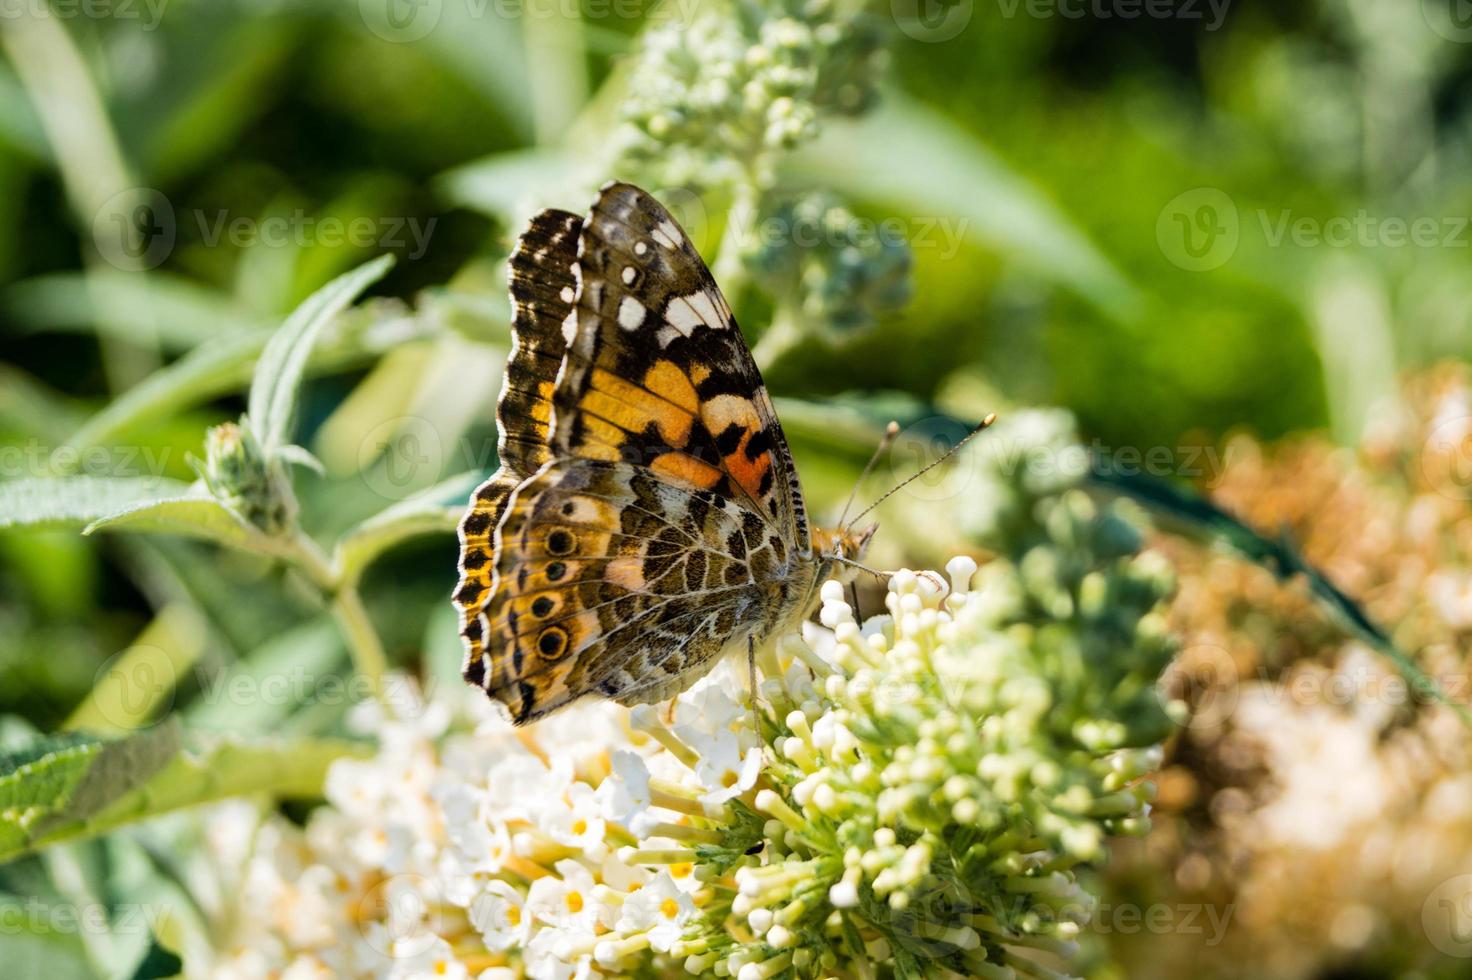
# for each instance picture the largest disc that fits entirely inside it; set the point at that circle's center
(580, 827)
(574, 902)
(669, 908)
(682, 869)
(441, 967)
(513, 915)
(729, 779)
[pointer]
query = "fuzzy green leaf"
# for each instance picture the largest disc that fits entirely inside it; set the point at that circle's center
(79, 500)
(62, 779)
(279, 371)
(194, 515)
(81, 786)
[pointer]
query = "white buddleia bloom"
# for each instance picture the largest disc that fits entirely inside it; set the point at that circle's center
(804, 837)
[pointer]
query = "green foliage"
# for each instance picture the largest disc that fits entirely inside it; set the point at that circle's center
(64, 787)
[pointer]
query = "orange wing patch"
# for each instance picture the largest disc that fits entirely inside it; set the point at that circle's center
(733, 419)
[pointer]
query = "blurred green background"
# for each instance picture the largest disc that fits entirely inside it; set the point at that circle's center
(1177, 221)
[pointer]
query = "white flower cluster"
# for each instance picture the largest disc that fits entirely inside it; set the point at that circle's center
(905, 793)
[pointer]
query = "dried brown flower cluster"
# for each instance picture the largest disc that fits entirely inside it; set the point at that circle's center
(1314, 801)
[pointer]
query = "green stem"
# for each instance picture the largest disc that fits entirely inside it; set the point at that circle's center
(348, 610)
(363, 642)
(782, 335)
(729, 271)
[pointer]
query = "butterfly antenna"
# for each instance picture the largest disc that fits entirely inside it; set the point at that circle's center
(890, 431)
(929, 466)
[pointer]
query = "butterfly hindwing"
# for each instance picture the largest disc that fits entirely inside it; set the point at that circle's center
(611, 581)
(542, 293)
(658, 374)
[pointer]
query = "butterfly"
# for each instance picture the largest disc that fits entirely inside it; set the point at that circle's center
(646, 518)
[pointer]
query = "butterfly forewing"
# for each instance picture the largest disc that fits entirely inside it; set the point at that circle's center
(658, 373)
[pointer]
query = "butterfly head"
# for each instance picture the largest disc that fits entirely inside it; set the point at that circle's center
(844, 543)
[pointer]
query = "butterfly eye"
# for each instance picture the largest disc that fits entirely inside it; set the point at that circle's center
(561, 542)
(556, 570)
(542, 606)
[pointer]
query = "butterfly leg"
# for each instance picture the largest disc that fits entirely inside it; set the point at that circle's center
(756, 715)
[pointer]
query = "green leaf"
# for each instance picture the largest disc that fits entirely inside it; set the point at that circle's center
(79, 500)
(878, 157)
(178, 313)
(501, 184)
(279, 371)
(68, 778)
(268, 687)
(221, 366)
(213, 368)
(194, 515)
(78, 787)
(436, 510)
(157, 964)
(139, 683)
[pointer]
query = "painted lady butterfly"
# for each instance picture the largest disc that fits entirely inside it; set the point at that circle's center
(646, 517)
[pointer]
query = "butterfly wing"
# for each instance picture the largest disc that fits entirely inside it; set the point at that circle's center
(658, 374)
(542, 294)
(669, 523)
(610, 580)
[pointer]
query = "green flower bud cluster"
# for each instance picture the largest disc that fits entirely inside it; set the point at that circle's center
(829, 268)
(935, 780)
(254, 487)
(713, 98)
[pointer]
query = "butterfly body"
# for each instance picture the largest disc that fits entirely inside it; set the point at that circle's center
(647, 518)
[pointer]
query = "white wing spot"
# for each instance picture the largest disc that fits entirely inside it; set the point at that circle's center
(629, 273)
(570, 326)
(682, 316)
(567, 294)
(685, 313)
(667, 234)
(705, 305)
(630, 313)
(640, 248)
